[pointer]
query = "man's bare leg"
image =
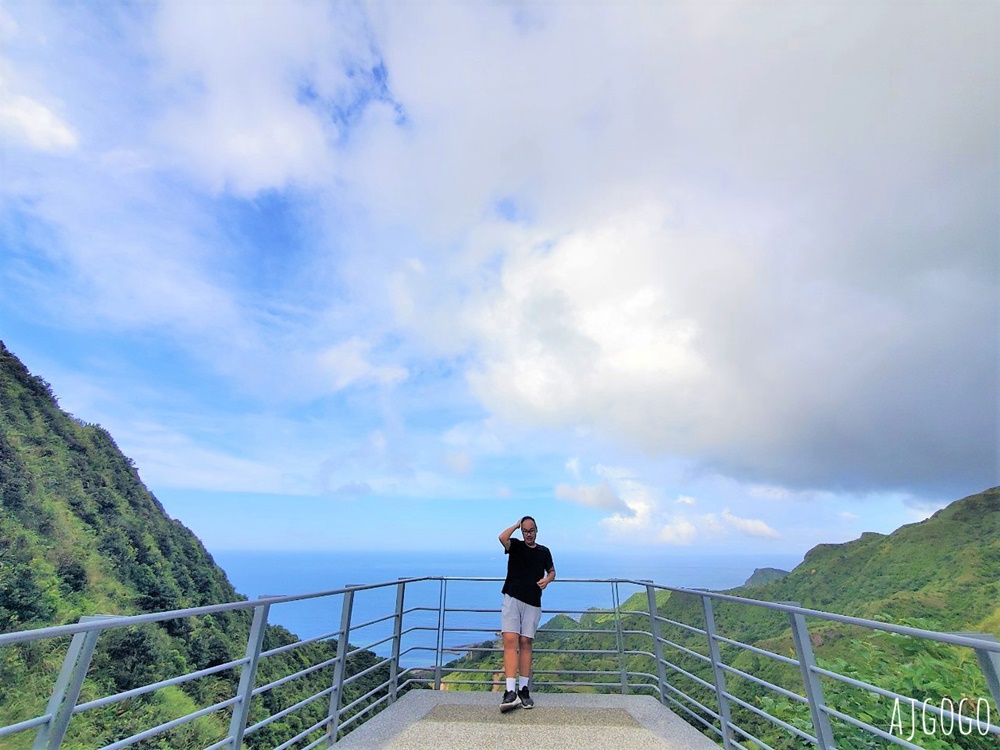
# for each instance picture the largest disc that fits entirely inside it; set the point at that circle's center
(524, 656)
(510, 669)
(524, 661)
(510, 655)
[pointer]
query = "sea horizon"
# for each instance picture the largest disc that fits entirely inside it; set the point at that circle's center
(258, 574)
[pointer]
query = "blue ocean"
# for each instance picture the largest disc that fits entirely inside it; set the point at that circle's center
(257, 574)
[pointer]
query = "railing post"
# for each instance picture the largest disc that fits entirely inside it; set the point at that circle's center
(620, 638)
(989, 663)
(340, 667)
(397, 637)
(439, 651)
(248, 676)
(720, 676)
(67, 689)
(654, 628)
(814, 689)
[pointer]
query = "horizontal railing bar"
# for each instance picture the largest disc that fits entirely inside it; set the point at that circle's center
(687, 651)
(135, 692)
(691, 699)
(682, 625)
(868, 727)
(953, 639)
(772, 719)
(355, 702)
(760, 651)
(178, 614)
(301, 673)
(315, 743)
(286, 711)
(897, 696)
(955, 717)
(701, 719)
(764, 683)
(22, 726)
(593, 652)
(166, 727)
(689, 675)
(366, 671)
(487, 630)
(298, 644)
(359, 626)
(368, 647)
(411, 630)
(642, 674)
(740, 730)
(378, 688)
(417, 681)
(859, 684)
(304, 733)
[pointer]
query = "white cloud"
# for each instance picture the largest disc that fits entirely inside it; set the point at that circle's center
(347, 363)
(253, 91)
(600, 496)
(756, 239)
(685, 500)
(460, 462)
(680, 531)
(711, 289)
(31, 123)
(751, 526)
(633, 526)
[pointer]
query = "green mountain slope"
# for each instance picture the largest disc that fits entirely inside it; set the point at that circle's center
(945, 569)
(80, 532)
(79, 535)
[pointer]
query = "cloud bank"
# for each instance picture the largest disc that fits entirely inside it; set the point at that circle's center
(758, 240)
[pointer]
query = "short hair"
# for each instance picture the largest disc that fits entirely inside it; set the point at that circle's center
(528, 518)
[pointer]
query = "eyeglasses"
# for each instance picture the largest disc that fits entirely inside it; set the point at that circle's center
(529, 531)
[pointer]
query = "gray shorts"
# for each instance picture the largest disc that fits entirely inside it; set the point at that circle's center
(518, 617)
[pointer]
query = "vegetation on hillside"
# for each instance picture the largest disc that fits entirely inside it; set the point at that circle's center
(80, 535)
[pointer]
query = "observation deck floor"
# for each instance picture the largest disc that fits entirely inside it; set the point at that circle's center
(443, 720)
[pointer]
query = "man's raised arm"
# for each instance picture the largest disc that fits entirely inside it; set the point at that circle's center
(505, 535)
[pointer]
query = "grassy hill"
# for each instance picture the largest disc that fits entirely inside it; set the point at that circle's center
(945, 569)
(80, 534)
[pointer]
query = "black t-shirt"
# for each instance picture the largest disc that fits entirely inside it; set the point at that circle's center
(526, 566)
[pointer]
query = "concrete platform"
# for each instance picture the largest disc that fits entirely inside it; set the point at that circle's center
(424, 719)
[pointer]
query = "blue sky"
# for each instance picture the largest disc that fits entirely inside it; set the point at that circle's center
(702, 277)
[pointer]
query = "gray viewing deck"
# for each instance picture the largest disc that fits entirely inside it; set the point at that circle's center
(437, 719)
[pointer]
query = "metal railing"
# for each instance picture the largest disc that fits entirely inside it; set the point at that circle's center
(726, 688)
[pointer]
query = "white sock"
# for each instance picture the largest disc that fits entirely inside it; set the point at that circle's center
(523, 683)
(510, 683)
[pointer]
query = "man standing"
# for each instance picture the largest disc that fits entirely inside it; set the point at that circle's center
(529, 571)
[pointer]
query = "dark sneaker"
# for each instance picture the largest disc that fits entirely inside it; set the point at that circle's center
(526, 701)
(511, 700)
